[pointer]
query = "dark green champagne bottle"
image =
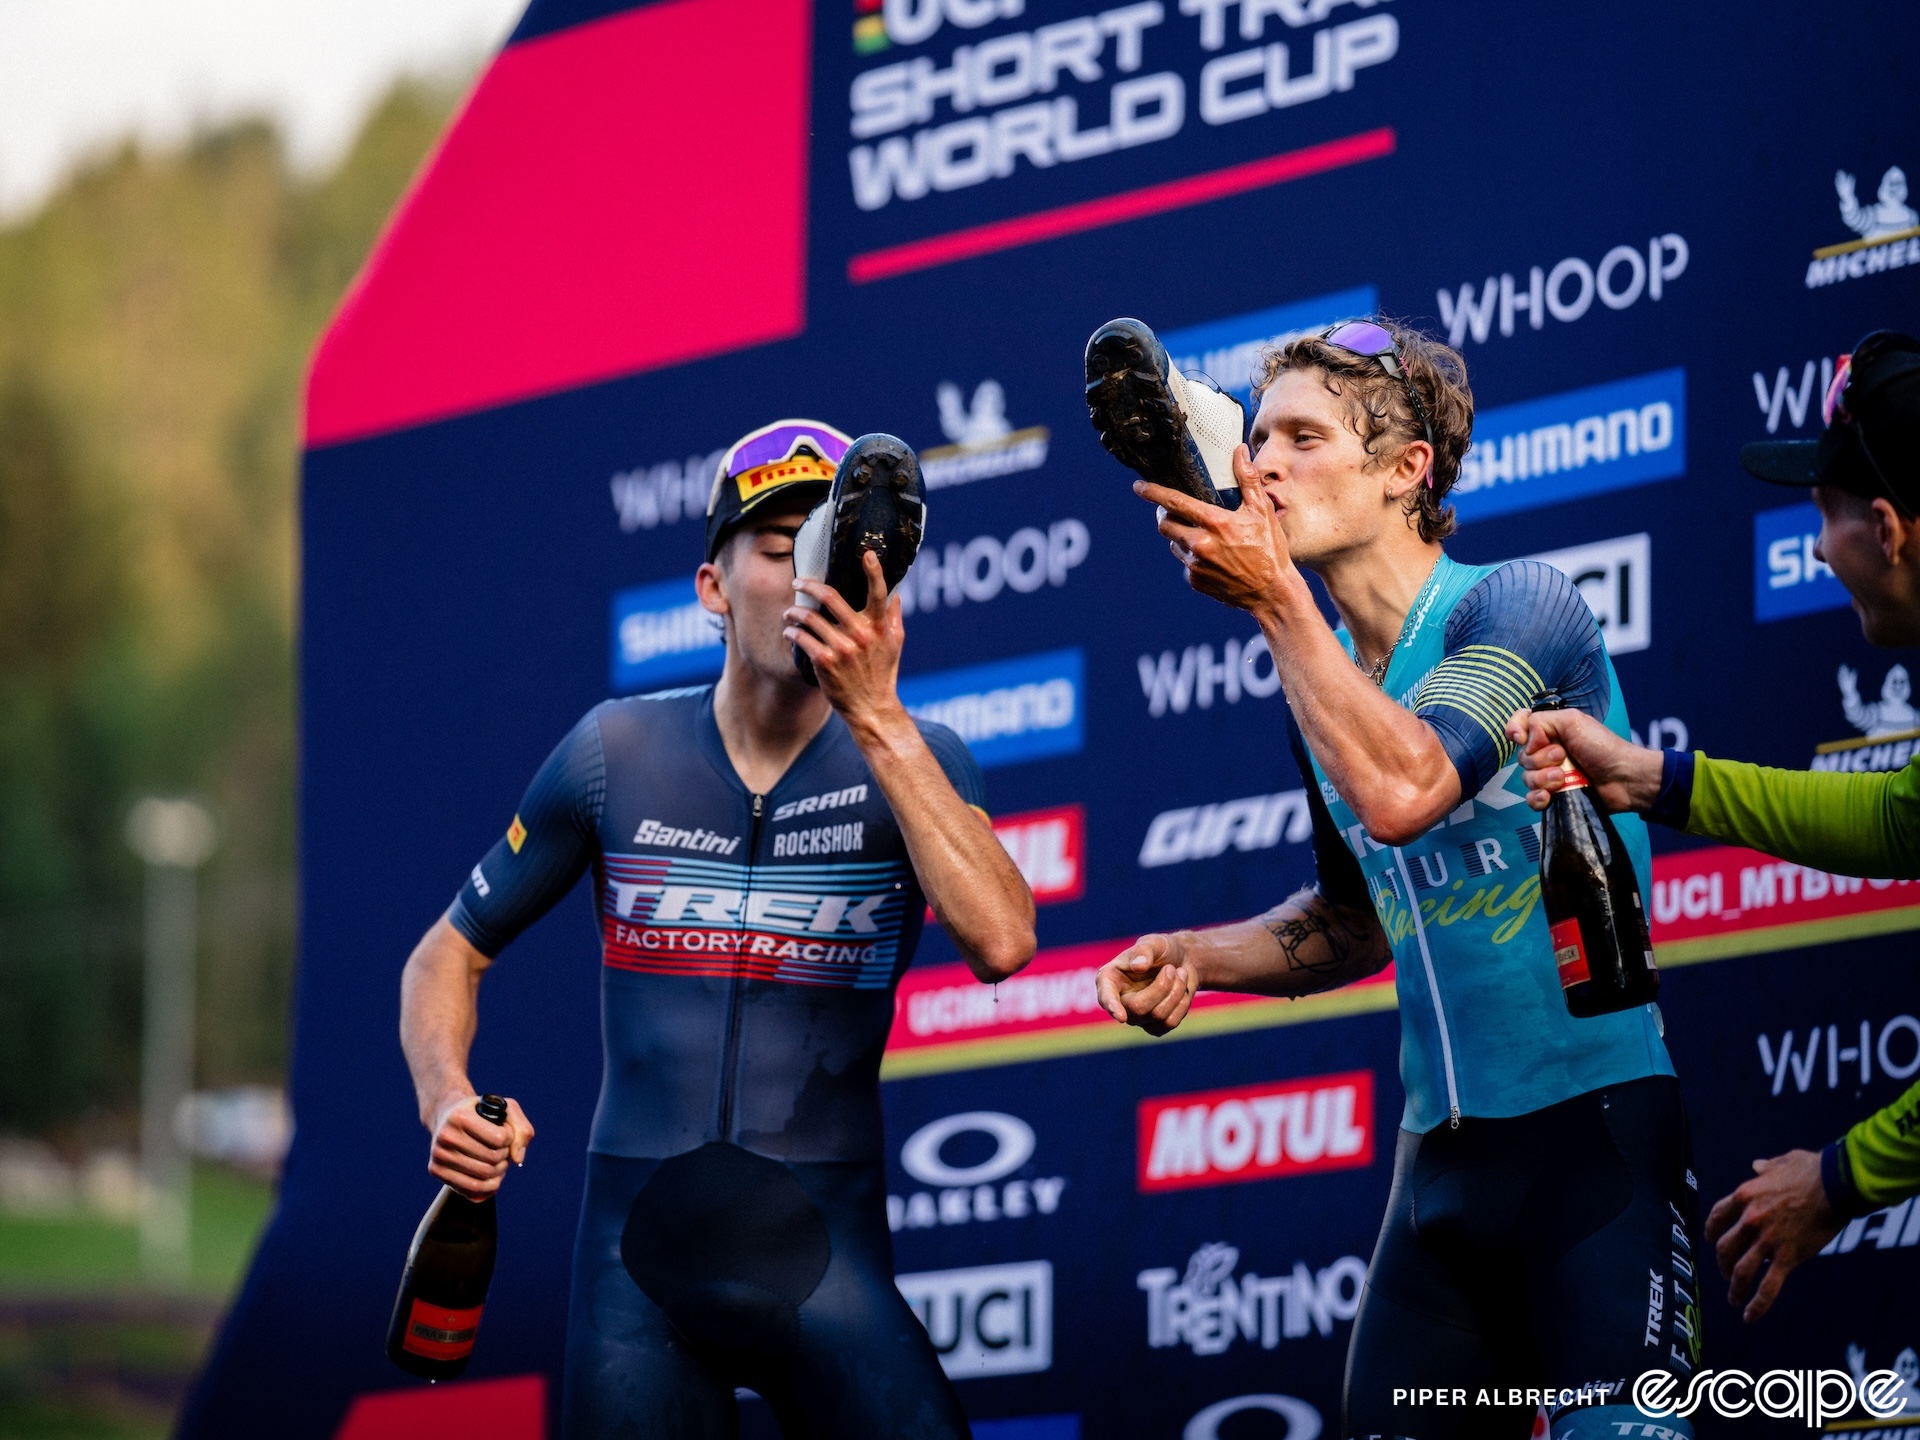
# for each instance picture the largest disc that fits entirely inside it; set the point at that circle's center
(1591, 894)
(444, 1287)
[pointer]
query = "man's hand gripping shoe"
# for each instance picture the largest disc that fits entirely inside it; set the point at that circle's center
(877, 503)
(1171, 429)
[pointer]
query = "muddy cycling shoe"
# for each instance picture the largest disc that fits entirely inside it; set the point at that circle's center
(877, 503)
(1171, 429)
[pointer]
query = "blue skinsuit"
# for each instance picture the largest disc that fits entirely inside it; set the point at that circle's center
(733, 1231)
(1542, 1224)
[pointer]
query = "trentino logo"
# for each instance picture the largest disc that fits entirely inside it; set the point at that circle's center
(1788, 578)
(1228, 351)
(661, 634)
(1580, 442)
(1010, 710)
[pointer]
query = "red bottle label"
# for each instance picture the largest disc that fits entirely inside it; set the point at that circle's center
(439, 1333)
(1574, 780)
(1569, 953)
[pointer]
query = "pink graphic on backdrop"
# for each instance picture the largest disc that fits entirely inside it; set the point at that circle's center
(599, 207)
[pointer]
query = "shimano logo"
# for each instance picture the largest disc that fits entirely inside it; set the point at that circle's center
(1008, 711)
(661, 634)
(824, 840)
(655, 832)
(830, 800)
(1580, 442)
(1788, 578)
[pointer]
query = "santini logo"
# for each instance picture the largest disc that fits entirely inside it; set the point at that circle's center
(662, 634)
(1008, 711)
(1582, 442)
(653, 832)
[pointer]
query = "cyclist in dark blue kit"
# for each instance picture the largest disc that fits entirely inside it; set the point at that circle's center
(762, 854)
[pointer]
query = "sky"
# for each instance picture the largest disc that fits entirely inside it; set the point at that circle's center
(79, 74)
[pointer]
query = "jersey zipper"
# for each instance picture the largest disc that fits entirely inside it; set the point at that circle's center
(730, 1057)
(1433, 989)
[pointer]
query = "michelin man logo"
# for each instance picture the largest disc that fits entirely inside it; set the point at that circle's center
(981, 425)
(1892, 714)
(1906, 1365)
(1890, 216)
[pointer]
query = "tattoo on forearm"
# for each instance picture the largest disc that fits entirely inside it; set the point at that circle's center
(1321, 939)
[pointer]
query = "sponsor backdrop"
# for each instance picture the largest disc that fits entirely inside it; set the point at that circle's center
(1650, 231)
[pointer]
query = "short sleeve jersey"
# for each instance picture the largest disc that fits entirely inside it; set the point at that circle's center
(750, 944)
(1484, 1029)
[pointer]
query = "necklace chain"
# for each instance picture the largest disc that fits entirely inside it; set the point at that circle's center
(1377, 672)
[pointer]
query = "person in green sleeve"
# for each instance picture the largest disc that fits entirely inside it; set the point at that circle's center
(1865, 476)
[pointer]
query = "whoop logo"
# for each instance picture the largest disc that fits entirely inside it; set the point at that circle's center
(1815, 1396)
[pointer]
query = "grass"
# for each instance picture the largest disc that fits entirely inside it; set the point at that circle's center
(89, 1348)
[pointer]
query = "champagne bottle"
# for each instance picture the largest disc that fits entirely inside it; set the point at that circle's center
(1591, 894)
(444, 1287)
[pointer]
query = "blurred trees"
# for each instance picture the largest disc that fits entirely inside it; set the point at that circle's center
(155, 320)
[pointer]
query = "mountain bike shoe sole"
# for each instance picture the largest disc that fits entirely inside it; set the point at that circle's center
(1134, 401)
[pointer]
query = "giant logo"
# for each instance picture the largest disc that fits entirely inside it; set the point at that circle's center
(979, 1189)
(1578, 443)
(988, 1319)
(1008, 711)
(661, 636)
(1256, 1132)
(1788, 578)
(1228, 351)
(1200, 832)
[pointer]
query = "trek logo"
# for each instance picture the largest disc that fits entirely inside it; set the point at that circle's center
(662, 634)
(982, 444)
(1208, 1308)
(1049, 847)
(830, 800)
(1566, 292)
(1028, 560)
(1788, 578)
(974, 1190)
(1256, 1132)
(1615, 578)
(705, 842)
(664, 494)
(986, 1320)
(837, 925)
(1228, 351)
(1578, 443)
(1888, 230)
(822, 840)
(1007, 711)
(1200, 832)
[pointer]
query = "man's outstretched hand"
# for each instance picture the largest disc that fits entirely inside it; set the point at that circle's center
(1150, 984)
(1623, 776)
(471, 1153)
(1777, 1220)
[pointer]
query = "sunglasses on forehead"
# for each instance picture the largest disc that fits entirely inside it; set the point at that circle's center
(1375, 342)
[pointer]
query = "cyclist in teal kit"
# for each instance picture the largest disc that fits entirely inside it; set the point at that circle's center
(1540, 1229)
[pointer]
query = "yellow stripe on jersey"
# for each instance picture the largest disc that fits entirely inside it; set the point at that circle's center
(1486, 684)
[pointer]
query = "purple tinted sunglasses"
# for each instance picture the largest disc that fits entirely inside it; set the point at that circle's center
(779, 441)
(1375, 342)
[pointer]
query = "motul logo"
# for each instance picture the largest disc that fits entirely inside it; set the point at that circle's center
(1257, 1132)
(1049, 847)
